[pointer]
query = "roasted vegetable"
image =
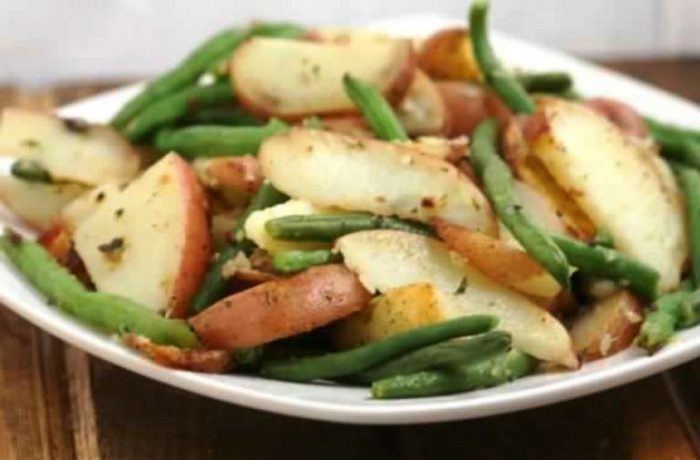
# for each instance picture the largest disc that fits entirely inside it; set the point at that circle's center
(375, 109)
(296, 261)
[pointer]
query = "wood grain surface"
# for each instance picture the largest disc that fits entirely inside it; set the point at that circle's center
(58, 403)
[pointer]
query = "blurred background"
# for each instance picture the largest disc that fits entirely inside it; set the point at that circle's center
(55, 41)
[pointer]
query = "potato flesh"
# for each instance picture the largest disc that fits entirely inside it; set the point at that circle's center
(255, 226)
(35, 203)
(608, 326)
(423, 111)
(90, 155)
(617, 186)
(385, 260)
(330, 169)
(292, 78)
(147, 268)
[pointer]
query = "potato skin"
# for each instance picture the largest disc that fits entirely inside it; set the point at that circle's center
(447, 54)
(608, 327)
(468, 105)
(281, 308)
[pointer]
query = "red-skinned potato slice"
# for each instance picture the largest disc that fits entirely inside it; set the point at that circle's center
(501, 262)
(236, 179)
(207, 361)
(608, 326)
(291, 79)
(281, 308)
(150, 241)
(530, 170)
(468, 105)
(423, 112)
(71, 150)
(387, 178)
(448, 55)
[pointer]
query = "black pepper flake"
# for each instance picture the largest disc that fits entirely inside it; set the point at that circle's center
(76, 125)
(114, 246)
(462, 286)
(30, 143)
(100, 196)
(118, 213)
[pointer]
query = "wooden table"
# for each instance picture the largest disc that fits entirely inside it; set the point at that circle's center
(56, 402)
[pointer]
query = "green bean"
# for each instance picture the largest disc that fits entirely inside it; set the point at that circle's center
(669, 313)
(175, 107)
(498, 183)
(277, 30)
(105, 311)
(183, 75)
(329, 227)
(604, 238)
(545, 82)
(296, 261)
(495, 75)
(214, 285)
(231, 116)
(603, 262)
(375, 109)
(217, 141)
(489, 372)
(358, 359)
(445, 354)
(689, 180)
(31, 171)
(676, 143)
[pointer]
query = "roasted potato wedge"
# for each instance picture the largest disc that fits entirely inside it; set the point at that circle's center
(608, 326)
(38, 205)
(468, 104)
(332, 170)
(448, 55)
(281, 308)
(235, 179)
(311, 80)
(386, 260)
(616, 184)
(120, 253)
(500, 261)
(71, 150)
(423, 112)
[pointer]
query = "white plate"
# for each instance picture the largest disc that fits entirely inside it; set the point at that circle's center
(353, 405)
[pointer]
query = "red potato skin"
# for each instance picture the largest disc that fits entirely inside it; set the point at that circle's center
(394, 93)
(57, 241)
(197, 247)
(468, 105)
(206, 361)
(281, 308)
(622, 115)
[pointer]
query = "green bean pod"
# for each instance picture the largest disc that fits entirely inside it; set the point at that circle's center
(329, 227)
(105, 311)
(668, 314)
(689, 180)
(489, 372)
(296, 261)
(175, 107)
(214, 285)
(497, 77)
(31, 171)
(217, 141)
(183, 75)
(446, 354)
(230, 116)
(344, 363)
(603, 262)
(679, 144)
(498, 183)
(375, 109)
(545, 82)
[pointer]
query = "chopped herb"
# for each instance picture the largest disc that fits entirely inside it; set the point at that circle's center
(462, 286)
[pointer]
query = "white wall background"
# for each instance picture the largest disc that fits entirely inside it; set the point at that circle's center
(43, 41)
